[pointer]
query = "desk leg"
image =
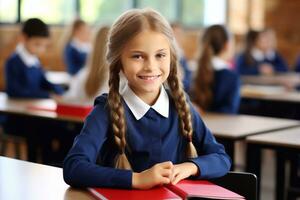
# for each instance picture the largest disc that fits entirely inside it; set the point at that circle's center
(229, 148)
(253, 163)
(280, 175)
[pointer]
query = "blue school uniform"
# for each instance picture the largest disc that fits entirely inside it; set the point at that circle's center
(273, 58)
(25, 78)
(187, 74)
(297, 66)
(226, 88)
(152, 137)
(75, 55)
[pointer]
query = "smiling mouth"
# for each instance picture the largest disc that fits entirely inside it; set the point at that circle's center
(149, 78)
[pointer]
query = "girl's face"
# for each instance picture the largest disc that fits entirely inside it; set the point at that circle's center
(146, 64)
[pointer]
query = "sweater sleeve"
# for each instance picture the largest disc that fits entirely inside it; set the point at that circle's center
(80, 168)
(50, 86)
(212, 160)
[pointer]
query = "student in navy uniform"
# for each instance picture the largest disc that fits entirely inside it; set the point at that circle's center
(120, 144)
(260, 56)
(24, 76)
(78, 46)
(216, 87)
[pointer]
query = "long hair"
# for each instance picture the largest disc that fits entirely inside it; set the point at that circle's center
(251, 38)
(126, 27)
(213, 40)
(98, 69)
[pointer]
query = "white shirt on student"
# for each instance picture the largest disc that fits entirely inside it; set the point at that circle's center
(29, 59)
(139, 108)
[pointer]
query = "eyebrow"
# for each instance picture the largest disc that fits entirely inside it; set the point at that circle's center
(138, 51)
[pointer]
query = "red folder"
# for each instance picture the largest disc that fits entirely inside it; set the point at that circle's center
(73, 110)
(185, 189)
(202, 189)
(158, 193)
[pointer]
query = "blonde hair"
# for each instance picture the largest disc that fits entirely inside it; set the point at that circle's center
(98, 70)
(126, 27)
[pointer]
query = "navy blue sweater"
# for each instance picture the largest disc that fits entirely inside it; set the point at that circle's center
(90, 161)
(27, 82)
(74, 59)
(278, 63)
(226, 92)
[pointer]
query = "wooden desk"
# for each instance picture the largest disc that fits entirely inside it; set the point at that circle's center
(230, 128)
(269, 93)
(284, 79)
(21, 180)
(286, 143)
(237, 127)
(41, 108)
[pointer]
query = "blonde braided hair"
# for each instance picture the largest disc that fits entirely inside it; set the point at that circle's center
(125, 28)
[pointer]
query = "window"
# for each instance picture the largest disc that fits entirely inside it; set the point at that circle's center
(203, 12)
(8, 11)
(168, 8)
(50, 11)
(103, 11)
(191, 13)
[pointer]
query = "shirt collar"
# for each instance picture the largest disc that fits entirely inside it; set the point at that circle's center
(139, 108)
(257, 54)
(29, 59)
(219, 64)
(81, 46)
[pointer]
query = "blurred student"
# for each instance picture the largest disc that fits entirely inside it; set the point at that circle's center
(24, 76)
(260, 55)
(78, 46)
(186, 73)
(91, 80)
(216, 87)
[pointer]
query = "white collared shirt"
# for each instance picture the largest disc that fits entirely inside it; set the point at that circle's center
(219, 64)
(139, 108)
(257, 54)
(81, 46)
(29, 59)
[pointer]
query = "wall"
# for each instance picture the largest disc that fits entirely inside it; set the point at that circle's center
(283, 16)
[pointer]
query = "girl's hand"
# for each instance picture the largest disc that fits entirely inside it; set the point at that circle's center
(159, 174)
(182, 171)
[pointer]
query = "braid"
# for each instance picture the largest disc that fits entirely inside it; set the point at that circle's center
(183, 110)
(118, 119)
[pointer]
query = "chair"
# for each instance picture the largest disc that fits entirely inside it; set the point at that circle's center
(242, 183)
(5, 138)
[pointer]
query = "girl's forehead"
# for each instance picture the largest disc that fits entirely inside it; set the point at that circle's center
(149, 38)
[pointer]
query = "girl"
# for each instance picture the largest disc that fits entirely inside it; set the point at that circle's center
(91, 80)
(78, 46)
(260, 56)
(120, 144)
(216, 88)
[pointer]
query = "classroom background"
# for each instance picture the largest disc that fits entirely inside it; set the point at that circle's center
(274, 96)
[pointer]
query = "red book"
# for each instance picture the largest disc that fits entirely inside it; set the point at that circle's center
(203, 189)
(73, 110)
(158, 193)
(185, 189)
